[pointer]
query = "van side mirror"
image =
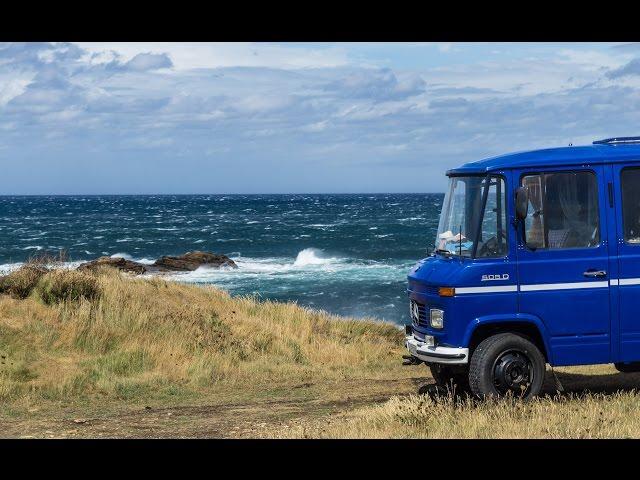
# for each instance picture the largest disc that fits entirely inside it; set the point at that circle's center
(522, 203)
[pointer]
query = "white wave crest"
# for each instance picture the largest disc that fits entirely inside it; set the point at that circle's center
(7, 268)
(310, 265)
(312, 256)
(126, 256)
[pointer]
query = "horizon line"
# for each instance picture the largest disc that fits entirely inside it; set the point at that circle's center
(204, 194)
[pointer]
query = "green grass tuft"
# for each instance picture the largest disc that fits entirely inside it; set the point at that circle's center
(66, 285)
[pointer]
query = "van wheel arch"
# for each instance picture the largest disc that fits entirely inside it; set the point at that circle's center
(526, 330)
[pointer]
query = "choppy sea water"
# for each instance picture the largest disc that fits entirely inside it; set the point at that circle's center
(347, 254)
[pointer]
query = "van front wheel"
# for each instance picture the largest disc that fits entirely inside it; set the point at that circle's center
(505, 364)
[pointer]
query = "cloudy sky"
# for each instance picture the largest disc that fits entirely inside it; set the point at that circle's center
(276, 118)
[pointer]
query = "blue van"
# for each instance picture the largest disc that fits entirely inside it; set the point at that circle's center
(536, 261)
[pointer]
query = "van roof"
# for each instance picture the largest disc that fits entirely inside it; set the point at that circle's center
(554, 157)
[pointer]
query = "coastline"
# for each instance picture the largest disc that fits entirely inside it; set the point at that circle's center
(346, 254)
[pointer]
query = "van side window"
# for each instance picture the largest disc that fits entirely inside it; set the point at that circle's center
(563, 210)
(630, 183)
(492, 241)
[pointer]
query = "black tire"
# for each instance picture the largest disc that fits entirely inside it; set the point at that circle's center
(453, 379)
(506, 363)
(633, 367)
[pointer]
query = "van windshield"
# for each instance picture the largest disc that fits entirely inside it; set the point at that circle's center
(473, 219)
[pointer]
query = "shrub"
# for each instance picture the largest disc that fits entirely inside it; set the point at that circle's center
(48, 260)
(60, 285)
(21, 282)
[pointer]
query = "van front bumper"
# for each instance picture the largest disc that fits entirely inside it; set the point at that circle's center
(437, 354)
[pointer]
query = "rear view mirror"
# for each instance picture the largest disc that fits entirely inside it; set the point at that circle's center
(522, 203)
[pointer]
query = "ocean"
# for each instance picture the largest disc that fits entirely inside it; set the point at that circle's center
(347, 254)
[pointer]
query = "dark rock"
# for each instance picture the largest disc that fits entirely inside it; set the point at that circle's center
(192, 260)
(120, 263)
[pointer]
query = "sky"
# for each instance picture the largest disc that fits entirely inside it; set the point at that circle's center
(149, 118)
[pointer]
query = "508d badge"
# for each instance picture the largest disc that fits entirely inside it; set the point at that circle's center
(490, 278)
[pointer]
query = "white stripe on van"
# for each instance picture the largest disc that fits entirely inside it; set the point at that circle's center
(538, 287)
(563, 286)
(548, 286)
(496, 289)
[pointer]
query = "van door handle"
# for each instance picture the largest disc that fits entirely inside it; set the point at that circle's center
(595, 273)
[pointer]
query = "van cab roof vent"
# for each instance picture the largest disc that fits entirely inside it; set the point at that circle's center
(616, 140)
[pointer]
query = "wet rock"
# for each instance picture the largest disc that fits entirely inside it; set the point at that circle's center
(193, 260)
(120, 263)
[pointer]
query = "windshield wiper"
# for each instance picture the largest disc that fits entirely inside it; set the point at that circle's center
(444, 252)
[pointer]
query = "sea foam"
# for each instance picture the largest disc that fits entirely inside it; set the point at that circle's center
(312, 256)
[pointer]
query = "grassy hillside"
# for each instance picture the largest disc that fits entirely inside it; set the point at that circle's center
(73, 337)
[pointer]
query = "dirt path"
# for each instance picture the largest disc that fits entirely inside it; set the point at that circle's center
(235, 419)
(246, 414)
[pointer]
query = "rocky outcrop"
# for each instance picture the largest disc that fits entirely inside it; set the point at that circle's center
(183, 263)
(193, 260)
(120, 263)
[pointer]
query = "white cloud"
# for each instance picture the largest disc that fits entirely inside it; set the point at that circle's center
(143, 62)
(315, 127)
(12, 86)
(187, 56)
(589, 60)
(270, 106)
(445, 47)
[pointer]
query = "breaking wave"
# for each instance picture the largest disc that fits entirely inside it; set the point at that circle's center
(312, 256)
(310, 265)
(126, 256)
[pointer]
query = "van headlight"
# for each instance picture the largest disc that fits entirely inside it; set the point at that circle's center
(436, 318)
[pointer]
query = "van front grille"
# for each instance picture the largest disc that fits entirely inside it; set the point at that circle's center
(421, 310)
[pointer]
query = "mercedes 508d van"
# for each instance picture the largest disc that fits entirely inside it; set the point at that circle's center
(536, 261)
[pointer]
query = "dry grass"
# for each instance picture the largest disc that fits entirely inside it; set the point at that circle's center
(615, 415)
(106, 345)
(71, 336)
(20, 284)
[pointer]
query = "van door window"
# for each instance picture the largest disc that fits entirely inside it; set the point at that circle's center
(563, 210)
(630, 183)
(492, 241)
